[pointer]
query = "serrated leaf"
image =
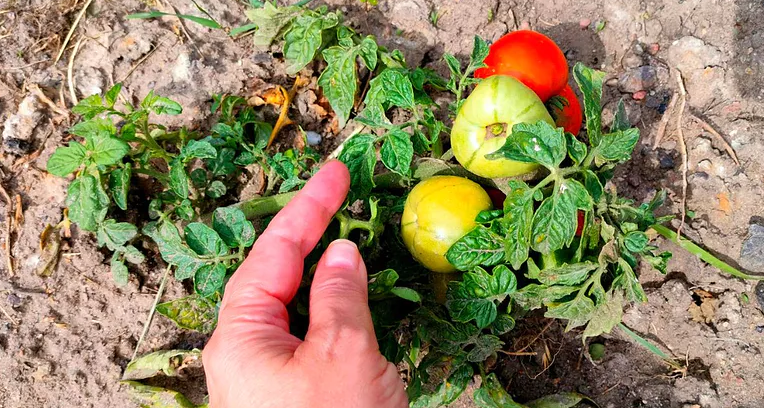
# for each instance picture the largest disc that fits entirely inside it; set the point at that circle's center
(576, 311)
(106, 150)
(491, 394)
(119, 271)
(270, 21)
(481, 246)
(191, 312)
(534, 296)
(166, 362)
(636, 241)
(133, 255)
(503, 324)
(621, 119)
(185, 210)
(339, 81)
(453, 65)
(119, 185)
(204, 240)
(616, 146)
(359, 156)
(90, 107)
(567, 274)
(115, 234)
(590, 83)
(629, 281)
(479, 53)
(200, 149)
(397, 87)
(660, 262)
(165, 106)
(537, 142)
(111, 95)
(209, 279)
(485, 346)
(304, 38)
(381, 283)
(216, 189)
(173, 250)
(233, 227)
(65, 160)
(518, 215)
(576, 149)
(593, 185)
(368, 49)
(96, 127)
(473, 298)
(397, 151)
(179, 179)
(222, 164)
(157, 397)
(606, 316)
(563, 400)
(448, 391)
(87, 202)
(554, 223)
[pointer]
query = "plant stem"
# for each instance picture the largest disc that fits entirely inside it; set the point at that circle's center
(262, 206)
(158, 297)
(152, 143)
(701, 253)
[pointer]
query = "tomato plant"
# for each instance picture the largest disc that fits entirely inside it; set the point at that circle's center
(563, 240)
(486, 120)
(439, 211)
(532, 58)
(566, 110)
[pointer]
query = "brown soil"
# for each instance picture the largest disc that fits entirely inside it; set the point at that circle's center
(65, 339)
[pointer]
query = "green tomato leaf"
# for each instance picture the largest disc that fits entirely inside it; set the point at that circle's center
(304, 39)
(590, 83)
(204, 240)
(636, 241)
(339, 80)
(96, 127)
(481, 246)
(115, 234)
(485, 346)
(397, 151)
(119, 185)
(368, 49)
(222, 164)
(473, 298)
(479, 53)
(448, 391)
(396, 86)
(216, 189)
(563, 400)
(616, 146)
(173, 250)
(185, 210)
(90, 107)
(621, 119)
(593, 185)
(199, 149)
(518, 215)
(133, 255)
(503, 324)
(192, 313)
(359, 156)
(179, 179)
(577, 311)
(606, 316)
(65, 160)
(199, 177)
(538, 142)
(491, 394)
(87, 202)
(554, 224)
(233, 227)
(534, 296)
(161, 105)
(271, 21)
(382, 283)
(209, 279)
(567, 274)
(166, 362)
(629, 281)
(453, 65)
(576, 149)
(119, 271)
(406, 293)
(156, 397)
(106, 150)
(112, 94)
(659, 262)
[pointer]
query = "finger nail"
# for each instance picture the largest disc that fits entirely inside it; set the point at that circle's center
(342, 254)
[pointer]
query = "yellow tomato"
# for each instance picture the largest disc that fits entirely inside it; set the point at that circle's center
(439, 211)
(496, 104)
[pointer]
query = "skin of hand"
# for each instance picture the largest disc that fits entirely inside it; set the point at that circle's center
(253, 361)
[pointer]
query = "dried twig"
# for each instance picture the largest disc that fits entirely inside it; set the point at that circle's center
(70, 69)
(682, 149)
(548, 325)
(157, 298)
(71, 31)
(26, 65)
(718, 136)
(664, 121)
(8, 225)
(15, 323)
(35, 89)
(18, 217)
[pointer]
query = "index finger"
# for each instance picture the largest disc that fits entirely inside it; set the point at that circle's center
(275, 264)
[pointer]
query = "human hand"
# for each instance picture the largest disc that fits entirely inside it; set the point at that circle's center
(253, 361)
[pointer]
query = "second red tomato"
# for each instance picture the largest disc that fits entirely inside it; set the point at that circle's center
(570, 117)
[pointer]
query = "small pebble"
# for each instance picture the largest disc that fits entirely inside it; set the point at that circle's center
(653, 48)
(760, 294)
(314, 138)
(760, 328)
(14, 300)
(639, 95)
(584, 23)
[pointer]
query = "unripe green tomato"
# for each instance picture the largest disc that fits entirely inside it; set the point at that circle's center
(439, 211)
(496, 104)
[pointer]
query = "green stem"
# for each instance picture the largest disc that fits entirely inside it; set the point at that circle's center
(152, 143)
(348, 224)
(701, 253)
(262, 206)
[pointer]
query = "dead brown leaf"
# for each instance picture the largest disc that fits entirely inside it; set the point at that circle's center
(50, 247)
(724, 202)
(703, 311)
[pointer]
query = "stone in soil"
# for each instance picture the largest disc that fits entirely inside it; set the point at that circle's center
(691, 53)
(639, 79)
(19, 128)
(760, 294)
(752, 252)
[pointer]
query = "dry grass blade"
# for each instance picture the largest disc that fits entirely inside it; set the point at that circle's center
(71, 31)
(157, 298)
(35, 89)
(682, 149)
(70, 69)
(8, 226)
(708, 128)
(664, 121)
(27, 65)
(7, 315)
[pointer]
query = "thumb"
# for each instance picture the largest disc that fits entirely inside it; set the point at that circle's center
(339, 301)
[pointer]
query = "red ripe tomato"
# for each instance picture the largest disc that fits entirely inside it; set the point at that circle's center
(497, 197)
(581, 221)
(532, 58)
(570, 117)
